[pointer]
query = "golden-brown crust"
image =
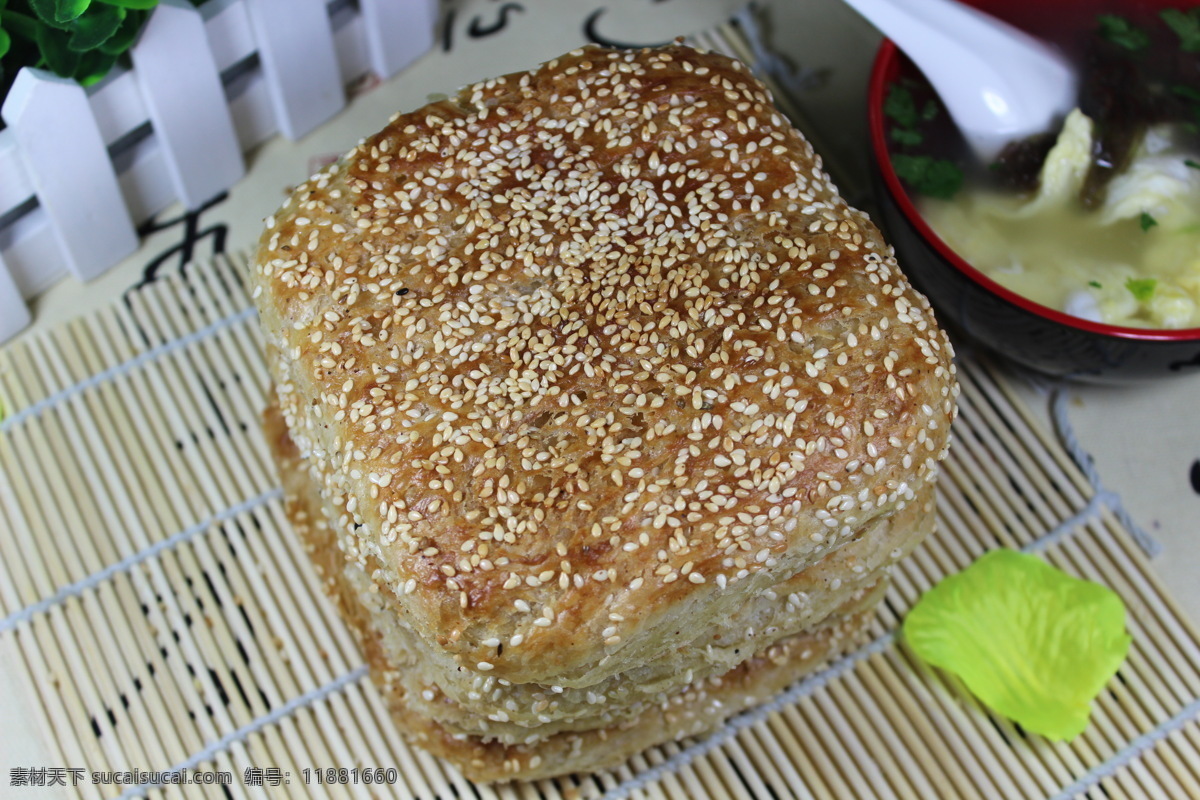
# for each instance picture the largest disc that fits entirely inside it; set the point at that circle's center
(590, 352)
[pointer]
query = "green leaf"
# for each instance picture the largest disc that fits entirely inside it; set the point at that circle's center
(900, 106)
(1120, 32)
(1033, 643)
(20, 25)
(1095, 284)
(1146, 221)
(1142, 289)
(95, 28)
(1187, 162)
(935, 177)
(1186, 26)
(5, 42)
(93, 66)
(929, 111)
(907, 136)
(138, 5)
(59, 13)
(125, 36)
(57, 56)
(47, 12)
(69, 10)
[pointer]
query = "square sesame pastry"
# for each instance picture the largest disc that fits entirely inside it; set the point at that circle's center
(600, 412)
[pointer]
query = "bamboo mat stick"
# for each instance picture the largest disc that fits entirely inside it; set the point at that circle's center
(211, 699)
(1023, 483)
(263, 678)
(93, 659)
(300, 734)
(798, 758)
(1002, 411)
(1000, 389)
(766, 749)
(91, 618)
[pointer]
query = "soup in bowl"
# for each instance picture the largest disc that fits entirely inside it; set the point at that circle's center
(1076, 252)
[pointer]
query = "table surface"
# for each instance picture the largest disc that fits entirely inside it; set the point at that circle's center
(1144, 440)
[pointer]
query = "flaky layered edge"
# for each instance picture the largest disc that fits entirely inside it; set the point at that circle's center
(693, 709)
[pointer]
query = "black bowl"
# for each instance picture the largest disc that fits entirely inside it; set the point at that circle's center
(992, 316)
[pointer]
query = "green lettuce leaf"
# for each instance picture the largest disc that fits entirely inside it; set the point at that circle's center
(1034, 644)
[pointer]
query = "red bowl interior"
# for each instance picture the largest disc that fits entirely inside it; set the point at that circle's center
(890, 64)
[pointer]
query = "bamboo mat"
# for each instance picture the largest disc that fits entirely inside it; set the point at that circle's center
(161, 614)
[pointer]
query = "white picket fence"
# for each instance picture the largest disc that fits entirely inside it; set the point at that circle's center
(80, 169)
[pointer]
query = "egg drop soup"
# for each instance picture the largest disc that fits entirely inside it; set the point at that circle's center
(1099, 219)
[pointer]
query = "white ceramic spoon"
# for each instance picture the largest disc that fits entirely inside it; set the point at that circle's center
(997, 82)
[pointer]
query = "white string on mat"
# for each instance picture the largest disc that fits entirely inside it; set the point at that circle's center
(129, 562)
(125, 367)
(1127, 754)
(228, 740)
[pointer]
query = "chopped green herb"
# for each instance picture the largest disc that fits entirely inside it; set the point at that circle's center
(1187, 91)
(907, 136)
(1142, 289)
(929, 111)
(1095, 284)
(1186, 25)
(1120, 32)
(935, 177)
(901, 107)
(1187, 162)
(1146, 221)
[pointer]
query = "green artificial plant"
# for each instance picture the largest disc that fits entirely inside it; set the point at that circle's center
(1033, 643)
(80, 39)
